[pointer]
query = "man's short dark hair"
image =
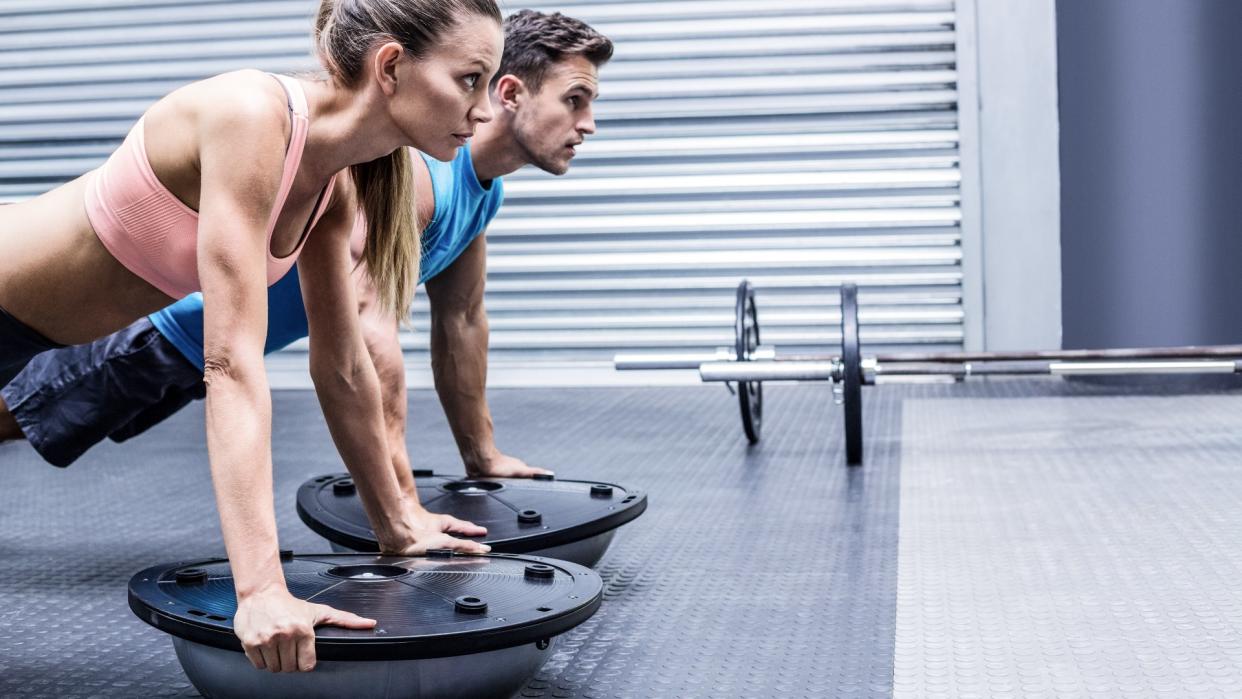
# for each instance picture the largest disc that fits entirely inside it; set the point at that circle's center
(535, 40)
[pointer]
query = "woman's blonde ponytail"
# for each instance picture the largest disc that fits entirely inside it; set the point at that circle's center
(393, 243)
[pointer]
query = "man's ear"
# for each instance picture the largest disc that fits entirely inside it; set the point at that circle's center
(510, 91)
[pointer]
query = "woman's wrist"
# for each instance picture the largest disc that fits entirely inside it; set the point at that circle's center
(397, 528)
(259, 588)
(480, 458)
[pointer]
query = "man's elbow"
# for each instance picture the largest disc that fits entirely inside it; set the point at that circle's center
(460, 323)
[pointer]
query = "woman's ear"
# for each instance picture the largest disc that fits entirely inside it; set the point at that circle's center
(384, 63)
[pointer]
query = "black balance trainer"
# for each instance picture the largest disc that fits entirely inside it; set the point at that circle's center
(568, 520)
(448, 625)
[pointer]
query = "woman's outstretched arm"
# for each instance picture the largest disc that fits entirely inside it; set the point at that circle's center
(242, 147)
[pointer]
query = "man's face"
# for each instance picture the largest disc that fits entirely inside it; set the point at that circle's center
(551, 123)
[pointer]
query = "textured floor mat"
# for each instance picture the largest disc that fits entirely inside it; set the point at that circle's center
(1071, 547)
(763, 571)
(756, 572)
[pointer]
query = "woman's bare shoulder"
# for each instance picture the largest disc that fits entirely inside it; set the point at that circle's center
(242, 103)
(240, 98)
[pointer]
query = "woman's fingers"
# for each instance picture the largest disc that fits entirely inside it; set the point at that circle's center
(460, 526)
(444, 541)
(255, 656)
(271, 656)
(306, 653)
(336, 617)
(287, 646)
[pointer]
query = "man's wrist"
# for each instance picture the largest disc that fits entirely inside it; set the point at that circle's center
(480, 459)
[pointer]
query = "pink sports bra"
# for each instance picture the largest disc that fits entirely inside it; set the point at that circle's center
(154, 235)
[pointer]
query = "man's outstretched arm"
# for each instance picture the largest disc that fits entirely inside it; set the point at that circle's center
(459, 335)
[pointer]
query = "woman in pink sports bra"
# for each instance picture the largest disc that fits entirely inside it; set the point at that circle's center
(220, 187)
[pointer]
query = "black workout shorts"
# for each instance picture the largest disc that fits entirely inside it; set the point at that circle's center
(18, 344)
(69, 399)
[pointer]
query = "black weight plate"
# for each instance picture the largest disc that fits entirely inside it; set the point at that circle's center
(413, 598)
(746, 340)
(851, 359)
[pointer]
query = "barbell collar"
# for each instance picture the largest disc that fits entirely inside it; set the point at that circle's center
(770, 370)
(682, 360)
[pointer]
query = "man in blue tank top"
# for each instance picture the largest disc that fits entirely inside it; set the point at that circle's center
(69, 399)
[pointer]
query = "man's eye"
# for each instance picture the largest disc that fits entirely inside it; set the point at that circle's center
(471, 80)
(573, 102)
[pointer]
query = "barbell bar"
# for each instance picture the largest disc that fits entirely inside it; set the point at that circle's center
(873, 372)
(1187, 352)
(748, 364)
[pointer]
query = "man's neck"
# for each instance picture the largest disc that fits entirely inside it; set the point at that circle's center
(493, 152)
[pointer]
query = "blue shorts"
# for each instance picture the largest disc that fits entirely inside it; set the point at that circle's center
(67, 400)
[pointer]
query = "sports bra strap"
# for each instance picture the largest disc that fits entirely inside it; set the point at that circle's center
(295, 94)
(293, 157)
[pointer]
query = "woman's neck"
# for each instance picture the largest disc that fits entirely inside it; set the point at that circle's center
(347, 127)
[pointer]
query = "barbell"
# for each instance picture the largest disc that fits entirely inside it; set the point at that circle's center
(749, 363)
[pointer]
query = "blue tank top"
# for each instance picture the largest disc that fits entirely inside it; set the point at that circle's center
(463, 208)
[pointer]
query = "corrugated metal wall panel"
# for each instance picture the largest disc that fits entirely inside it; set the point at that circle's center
(795, 143)
(799, 143)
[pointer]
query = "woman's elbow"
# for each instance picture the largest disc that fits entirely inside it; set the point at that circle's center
(219, 368)
(225, 371)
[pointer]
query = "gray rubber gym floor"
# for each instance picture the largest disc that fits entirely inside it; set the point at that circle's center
(1006, 538)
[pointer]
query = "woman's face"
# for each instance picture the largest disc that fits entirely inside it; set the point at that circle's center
(443, 95)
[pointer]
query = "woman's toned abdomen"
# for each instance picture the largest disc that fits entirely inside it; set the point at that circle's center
(58, 278)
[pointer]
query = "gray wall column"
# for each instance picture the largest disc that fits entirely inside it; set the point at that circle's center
(1019, 173)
